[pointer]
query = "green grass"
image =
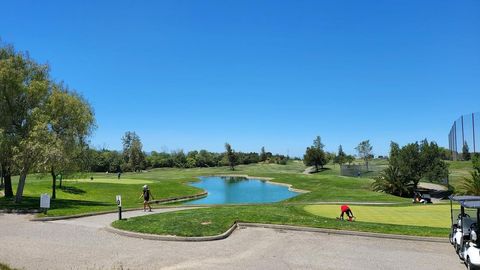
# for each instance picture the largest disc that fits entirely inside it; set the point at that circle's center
(437, 216)
(84, 195)
(216, 220)
(459, 170)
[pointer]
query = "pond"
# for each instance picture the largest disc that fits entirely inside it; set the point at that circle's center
(239, 190)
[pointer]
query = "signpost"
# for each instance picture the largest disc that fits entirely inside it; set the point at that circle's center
(119, 203)
(45, 202)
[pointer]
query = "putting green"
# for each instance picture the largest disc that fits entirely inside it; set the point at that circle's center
(121, 181)
(418, 215)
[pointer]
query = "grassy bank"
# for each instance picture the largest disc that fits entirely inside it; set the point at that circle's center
(216, 220)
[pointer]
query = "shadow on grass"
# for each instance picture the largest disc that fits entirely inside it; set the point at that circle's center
(72, 190)
(320, 170)
(29, 202)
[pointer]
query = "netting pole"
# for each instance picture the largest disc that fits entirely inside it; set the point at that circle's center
(455, 138)
(463, 134)
(473, 128)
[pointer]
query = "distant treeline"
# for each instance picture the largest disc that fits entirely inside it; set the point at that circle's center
(105, 160)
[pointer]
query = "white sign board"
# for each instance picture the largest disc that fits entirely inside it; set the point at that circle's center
(44, 201)
(119, 200)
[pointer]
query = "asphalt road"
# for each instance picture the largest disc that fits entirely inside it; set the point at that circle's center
(83, 244)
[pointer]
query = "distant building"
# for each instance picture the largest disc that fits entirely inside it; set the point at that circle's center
(465, 131)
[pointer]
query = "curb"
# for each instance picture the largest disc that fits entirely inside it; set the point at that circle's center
(172, 237)
(238, 225)
(181, 199)
(169, 200)
(82, 215)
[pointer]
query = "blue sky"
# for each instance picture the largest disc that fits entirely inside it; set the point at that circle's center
(196, 74)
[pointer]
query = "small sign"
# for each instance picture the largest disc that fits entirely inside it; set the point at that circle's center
(119, 200)
(44, 201)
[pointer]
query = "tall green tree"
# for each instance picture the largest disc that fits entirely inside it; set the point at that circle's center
(24, 91)
(317, 143)
(314, 155)
(263, 154)
(6, 166)
(71, 121)
(340, 158)
(132, 152)
(364, 150)
(412, 163)
(231, 156)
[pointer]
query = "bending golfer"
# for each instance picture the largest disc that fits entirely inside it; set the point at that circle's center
(146, 198)
(346, 210)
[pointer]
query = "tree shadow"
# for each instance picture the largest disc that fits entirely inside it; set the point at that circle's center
(320, 170)
(72, 190)
(31, 202)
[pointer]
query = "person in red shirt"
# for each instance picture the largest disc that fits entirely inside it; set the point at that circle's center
(346, 210)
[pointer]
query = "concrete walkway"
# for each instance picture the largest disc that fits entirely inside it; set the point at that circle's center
(84, 244)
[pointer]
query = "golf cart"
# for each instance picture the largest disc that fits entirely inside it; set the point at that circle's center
(462, 220)
(471, 249)
(422, 196)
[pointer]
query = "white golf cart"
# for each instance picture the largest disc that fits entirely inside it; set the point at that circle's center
(462, 220)
(471, 249)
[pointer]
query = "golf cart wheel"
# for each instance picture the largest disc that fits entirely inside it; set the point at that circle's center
(470, 266)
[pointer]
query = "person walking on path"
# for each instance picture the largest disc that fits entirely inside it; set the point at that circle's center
(146, 198)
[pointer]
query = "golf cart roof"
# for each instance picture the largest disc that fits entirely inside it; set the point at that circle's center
(471, 204)
(464, 198)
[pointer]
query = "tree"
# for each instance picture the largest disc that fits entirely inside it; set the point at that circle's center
(349, 159)
(465, 151)
(476, 161)
(391, 181)
(415, 162)
(24, 90)
(70, 122)
(314, 157)
(263, 154)
(340, 158)
(132, 152)
(6, 157)
(365, 151)
(231, 156)
(471, 186)
(317, 143)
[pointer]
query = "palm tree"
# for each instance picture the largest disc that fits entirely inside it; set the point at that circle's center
(391, 181)
(471, 186)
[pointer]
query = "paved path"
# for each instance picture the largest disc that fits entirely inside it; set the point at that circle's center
(432, 186)
(83, 244)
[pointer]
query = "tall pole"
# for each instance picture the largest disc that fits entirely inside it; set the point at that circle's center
(463, 134)
(455, 138)
(473, 128)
